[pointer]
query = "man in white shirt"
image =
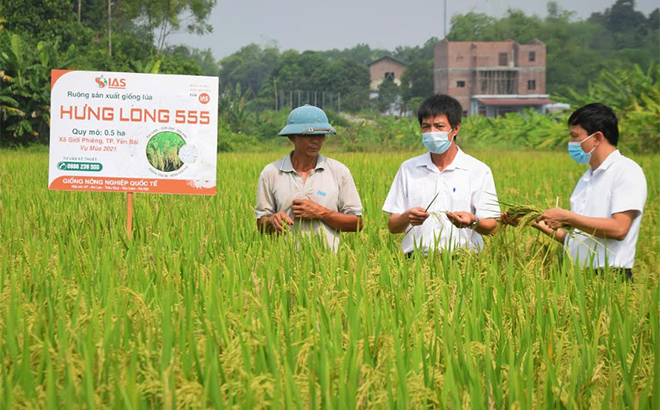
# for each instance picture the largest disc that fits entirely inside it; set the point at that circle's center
(453, 186)
(607, 202)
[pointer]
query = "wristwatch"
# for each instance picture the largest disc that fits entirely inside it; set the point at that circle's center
(474, 224)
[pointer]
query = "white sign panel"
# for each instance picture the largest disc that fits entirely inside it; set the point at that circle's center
(127, 132)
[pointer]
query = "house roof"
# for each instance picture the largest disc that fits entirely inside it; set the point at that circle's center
(514, 101)
(386, 58)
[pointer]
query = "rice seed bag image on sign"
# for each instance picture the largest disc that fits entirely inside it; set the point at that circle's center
(127, 132)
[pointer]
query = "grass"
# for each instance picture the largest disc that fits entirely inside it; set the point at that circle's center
(199, 310)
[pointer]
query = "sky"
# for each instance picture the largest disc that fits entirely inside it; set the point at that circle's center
(322, 25)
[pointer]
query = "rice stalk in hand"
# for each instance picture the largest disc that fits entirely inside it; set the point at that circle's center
(527, 214)
(425, 210)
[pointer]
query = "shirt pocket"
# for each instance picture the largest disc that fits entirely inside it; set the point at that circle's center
(460, 194)
(461, 203)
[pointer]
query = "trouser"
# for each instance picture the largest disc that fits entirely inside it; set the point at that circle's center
(623, 273)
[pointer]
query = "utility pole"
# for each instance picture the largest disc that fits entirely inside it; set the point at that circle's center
(110, 28)
(445, 18)
(275, 87)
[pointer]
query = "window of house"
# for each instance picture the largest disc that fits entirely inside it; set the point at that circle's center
(460, 84)
(389, 76)
(531, 84)
(504, 59)
(532, 56)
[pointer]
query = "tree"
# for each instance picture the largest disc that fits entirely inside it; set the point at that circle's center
(25, 87)
(167, 16)
(627, 26)
(472, 27)
(43, 19)
(351, 80)
(409, 54)
(361, 53)
(417, 80)
(251, 67)
(389, 98)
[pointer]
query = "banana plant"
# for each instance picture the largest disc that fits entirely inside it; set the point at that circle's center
(25, 87)
(635, 95)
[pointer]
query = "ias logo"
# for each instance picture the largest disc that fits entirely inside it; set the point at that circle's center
(101, 81)
(117, 83)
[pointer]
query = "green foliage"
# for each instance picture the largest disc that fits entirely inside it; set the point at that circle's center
(417, 80)
(44, 20)
(163, 17)
(230, 141)
(635, 96)
(232, 108)
(531, 131)
(360, 53)
(351, 80)
(178, 64)
(389, 97)
(515, 131)
(251, 67)
(25, 76)
(410, 54)
(25, 87)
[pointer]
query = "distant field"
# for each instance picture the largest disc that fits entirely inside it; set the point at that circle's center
(199, 310)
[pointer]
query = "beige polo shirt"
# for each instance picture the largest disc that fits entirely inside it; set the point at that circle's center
(330, 184)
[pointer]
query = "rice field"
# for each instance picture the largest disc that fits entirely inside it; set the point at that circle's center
(201, 311)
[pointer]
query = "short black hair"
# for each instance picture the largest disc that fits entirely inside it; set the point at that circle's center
(596, 117)
(441, 104)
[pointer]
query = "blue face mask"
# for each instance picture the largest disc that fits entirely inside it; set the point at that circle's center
(436, 142)
(577, 153)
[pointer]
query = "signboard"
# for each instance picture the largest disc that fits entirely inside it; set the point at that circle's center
(127, 132)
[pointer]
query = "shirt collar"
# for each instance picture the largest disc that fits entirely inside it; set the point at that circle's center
(459, 162)
(287, 166)
(615, 155)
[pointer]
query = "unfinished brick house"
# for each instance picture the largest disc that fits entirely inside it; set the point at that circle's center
(385, 68)
(492, 78)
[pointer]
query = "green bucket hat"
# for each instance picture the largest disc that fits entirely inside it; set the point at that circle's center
(307, 120)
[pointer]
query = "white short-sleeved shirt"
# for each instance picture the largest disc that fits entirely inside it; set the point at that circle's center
(465, 185)
(617, 185)
(330, 184)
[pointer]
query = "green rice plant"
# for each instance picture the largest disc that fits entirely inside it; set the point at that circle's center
(199, 310)
(163, 151)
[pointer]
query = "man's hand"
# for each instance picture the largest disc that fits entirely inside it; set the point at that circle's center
(508, 220)
(278, 222)
(461, 219)
(555, 218)
(417, 216)
(308, 209)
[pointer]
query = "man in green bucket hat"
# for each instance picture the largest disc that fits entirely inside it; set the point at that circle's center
(305, 190)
